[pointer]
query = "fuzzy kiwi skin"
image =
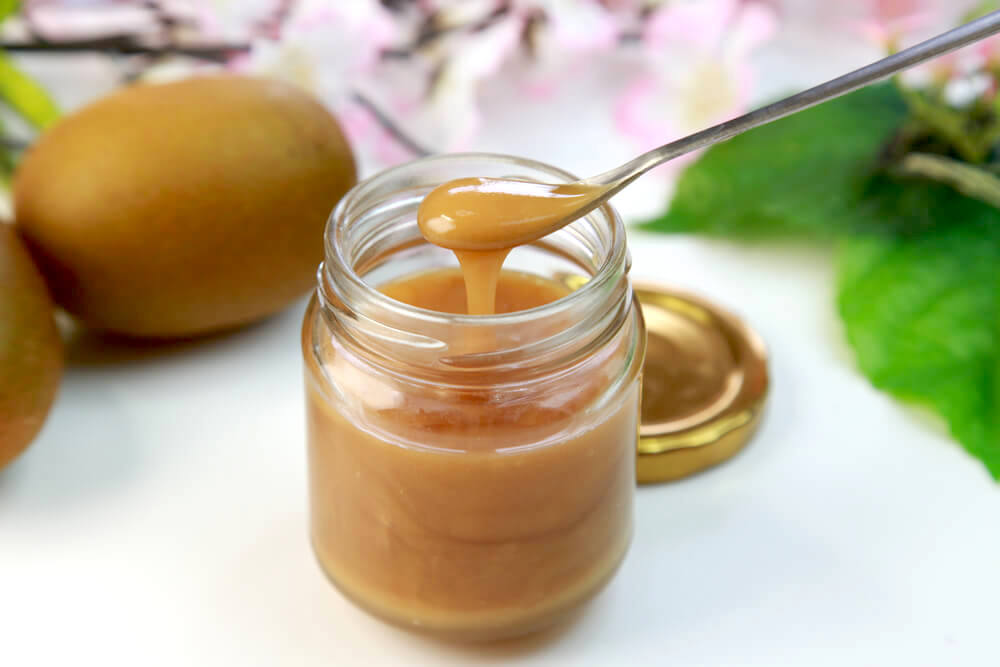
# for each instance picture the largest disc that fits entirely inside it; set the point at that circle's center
(31, 352)
(180, 209)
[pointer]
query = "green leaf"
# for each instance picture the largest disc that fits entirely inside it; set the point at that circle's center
(802, 175)
(921, 314)
(918, 261)
(8, 7)
(25, 95)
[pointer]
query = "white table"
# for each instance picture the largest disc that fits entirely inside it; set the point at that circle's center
(160, 519)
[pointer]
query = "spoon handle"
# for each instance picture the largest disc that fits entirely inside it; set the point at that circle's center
(973, 31)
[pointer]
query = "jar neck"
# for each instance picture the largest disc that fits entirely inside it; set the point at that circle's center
(375, 224)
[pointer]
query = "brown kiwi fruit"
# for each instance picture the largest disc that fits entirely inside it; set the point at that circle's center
(179, 209)
(31, 353)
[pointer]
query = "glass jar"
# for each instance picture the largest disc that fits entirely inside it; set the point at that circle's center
(474, 491)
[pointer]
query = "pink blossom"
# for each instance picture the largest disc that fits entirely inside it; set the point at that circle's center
(699, 74)
(566, 33)
(986, 53)
(370, 140)
(894, 24)
(575, 25)
(325, 46)
(885, 22)
(450, 116)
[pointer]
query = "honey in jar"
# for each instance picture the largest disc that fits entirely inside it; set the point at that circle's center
(470, 475)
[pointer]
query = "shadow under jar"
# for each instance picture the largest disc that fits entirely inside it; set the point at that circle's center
(471, 476)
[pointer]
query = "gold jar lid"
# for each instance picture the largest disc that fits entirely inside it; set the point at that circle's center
(704, 384)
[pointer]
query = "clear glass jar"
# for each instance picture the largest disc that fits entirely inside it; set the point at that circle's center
(478, 495)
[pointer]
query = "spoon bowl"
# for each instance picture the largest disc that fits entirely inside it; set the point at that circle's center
(496, 213)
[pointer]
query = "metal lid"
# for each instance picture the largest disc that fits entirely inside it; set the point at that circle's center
(704, 384)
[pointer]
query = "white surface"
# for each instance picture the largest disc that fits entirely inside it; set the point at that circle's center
(160, 519)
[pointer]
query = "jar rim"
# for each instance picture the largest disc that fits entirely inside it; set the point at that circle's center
(607, 273)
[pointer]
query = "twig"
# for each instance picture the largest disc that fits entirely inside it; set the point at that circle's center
(391, 127)
(123, 45)
(968, 179)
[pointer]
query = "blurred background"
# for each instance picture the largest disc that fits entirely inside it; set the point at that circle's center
(583, 84)
(160, 516)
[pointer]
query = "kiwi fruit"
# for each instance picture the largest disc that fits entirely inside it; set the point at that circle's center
(31, 353)
(179, 209)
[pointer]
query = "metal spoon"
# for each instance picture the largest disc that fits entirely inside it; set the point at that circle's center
(469, 214)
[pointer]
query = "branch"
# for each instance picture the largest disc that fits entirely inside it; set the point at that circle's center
(968, 179)
(122, 45)
(391, 127)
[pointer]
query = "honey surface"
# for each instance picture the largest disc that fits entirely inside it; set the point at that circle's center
(443, 290)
